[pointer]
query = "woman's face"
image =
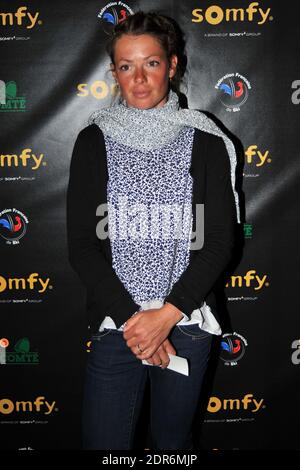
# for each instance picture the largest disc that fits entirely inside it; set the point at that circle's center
(142, 70)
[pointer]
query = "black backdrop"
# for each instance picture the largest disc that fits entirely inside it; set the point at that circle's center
(243, 67)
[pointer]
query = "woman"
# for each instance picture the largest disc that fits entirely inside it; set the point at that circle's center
(149, 292)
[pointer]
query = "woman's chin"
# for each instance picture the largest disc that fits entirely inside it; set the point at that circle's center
(141, 102)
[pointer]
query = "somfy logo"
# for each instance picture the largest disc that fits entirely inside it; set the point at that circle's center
(256, 157)
(99, 89)
(215, 14)
(250, 279)
(24, 160)
(33, 281)
(40, 405)
(22, 17)
(248, 402)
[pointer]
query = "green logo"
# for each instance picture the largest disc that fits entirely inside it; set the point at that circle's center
(22, 346)
(21, 354)
(9, 101)
(248, 230)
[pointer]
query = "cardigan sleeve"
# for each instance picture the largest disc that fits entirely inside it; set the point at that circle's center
(208, 263)
(85, 254)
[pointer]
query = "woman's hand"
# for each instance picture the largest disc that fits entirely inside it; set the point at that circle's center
(147, 330)
(160, 357)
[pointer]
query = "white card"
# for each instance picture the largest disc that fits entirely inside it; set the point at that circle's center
(177, 364)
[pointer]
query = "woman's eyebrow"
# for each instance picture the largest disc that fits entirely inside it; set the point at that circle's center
(152, 55)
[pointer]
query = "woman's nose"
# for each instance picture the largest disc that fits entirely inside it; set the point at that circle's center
(139, 75)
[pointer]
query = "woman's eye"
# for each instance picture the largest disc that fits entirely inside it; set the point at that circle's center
(154, 62)
(125, 67)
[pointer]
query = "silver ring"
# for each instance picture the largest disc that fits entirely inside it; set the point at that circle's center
(138, 346)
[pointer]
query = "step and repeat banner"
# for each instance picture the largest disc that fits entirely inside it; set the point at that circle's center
(243, 69)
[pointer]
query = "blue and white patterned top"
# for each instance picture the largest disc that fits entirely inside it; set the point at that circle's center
(149, 196)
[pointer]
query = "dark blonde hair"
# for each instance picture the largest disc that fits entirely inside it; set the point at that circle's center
(163, 28)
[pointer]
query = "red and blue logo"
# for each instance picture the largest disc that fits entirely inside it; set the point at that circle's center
(13, 225)
(233, 347)
(233, 90)
(114, 13)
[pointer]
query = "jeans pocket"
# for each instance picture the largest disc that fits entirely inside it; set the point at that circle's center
(194, 331)
(101, 334)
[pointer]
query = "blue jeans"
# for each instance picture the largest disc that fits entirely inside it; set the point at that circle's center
(115, 384)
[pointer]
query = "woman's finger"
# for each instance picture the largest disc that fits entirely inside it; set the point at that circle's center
(169, 347)
(164, 357)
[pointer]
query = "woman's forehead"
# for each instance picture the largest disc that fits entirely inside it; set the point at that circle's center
(144, 45)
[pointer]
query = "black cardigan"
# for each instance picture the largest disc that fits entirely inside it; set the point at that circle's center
(91, 257)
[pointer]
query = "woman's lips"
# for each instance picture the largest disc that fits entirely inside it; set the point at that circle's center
(141, 94)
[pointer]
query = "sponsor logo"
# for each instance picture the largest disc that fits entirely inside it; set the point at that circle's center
(13, 225)
(247, 230)
(233, 347)
(233, 91)
(22, 17)
(247, 403)
(21, 354)
(113, 13)
(9, 101)
(24, 160)
(250, 279)
(98, 89)
(256, 157)
(215, 14)
(39, 405)
(33, 281)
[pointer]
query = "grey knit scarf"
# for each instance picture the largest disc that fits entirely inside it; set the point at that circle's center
(149, 129)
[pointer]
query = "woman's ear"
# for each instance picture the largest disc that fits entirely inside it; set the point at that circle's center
(113, 71)
(173, 65)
